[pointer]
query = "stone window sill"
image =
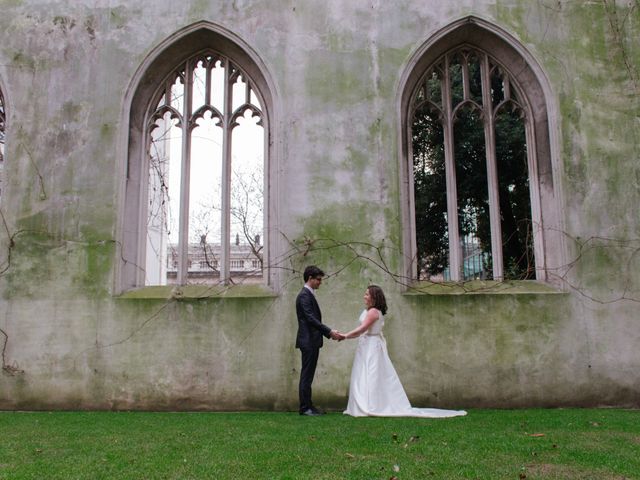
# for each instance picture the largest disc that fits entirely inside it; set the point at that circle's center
(483, 287)
(193, 292)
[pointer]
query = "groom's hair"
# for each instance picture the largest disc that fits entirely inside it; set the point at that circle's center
(312, 271)
(377, 295)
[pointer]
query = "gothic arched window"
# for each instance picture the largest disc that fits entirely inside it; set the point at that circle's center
(206, 175)
(471, 181)
(196, 193)
(480, 188)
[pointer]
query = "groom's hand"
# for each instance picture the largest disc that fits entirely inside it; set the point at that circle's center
(336, 335)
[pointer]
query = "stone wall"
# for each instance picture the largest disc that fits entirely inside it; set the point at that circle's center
(75, 340)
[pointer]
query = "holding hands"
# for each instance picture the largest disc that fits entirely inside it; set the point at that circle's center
(336, 335)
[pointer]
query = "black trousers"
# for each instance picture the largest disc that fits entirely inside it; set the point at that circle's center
(309, 362)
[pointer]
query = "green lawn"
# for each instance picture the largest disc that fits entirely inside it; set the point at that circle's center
(581, 444)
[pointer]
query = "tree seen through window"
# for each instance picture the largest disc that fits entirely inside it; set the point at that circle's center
(470, 172)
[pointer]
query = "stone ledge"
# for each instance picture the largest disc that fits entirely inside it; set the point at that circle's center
(191, 292)
(483, 287)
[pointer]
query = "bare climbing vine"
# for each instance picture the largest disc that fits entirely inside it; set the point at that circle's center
(618, 23)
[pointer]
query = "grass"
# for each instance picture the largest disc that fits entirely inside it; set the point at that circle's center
(602, 444)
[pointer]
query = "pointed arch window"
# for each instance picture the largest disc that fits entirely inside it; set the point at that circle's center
(473, 169)
(195, 192)
(205, 152)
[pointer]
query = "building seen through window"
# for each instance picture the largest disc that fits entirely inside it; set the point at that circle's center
(205, 207)
(203, 263)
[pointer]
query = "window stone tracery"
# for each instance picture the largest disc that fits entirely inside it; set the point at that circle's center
(480, 194)
(195, 201)
(471, 92)
(206, 145)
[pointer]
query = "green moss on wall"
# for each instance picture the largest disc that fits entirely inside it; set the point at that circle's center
(30, 266)
(94, 278)
(107, 131)
(512, 14)
(605, 269)
(340, 222)
(187, 292)
(43, 263)
(338, 79)
(498, 332)
(482, 287)
(10, 3)
(342, 238)
(21, 59)
(118, 17)
(199, 8)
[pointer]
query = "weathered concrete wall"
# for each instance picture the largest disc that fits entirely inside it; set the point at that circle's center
(72, 342)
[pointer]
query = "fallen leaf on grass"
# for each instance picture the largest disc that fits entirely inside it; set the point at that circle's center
(396, 468)
(414, 438)
(536, 434)
(349, 455)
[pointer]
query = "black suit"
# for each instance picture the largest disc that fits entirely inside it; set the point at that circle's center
(309, 341)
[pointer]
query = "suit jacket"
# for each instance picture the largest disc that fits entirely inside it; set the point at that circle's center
(310, 327)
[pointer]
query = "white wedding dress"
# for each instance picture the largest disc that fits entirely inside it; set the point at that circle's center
(375, 389)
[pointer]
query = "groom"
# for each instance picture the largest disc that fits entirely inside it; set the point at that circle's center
(309, 338)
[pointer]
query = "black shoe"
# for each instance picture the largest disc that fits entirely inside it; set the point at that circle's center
(318, 411)
(310, 413)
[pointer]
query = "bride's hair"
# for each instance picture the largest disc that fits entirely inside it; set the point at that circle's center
(377, 295)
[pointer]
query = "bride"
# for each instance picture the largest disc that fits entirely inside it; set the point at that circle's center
(375, 389)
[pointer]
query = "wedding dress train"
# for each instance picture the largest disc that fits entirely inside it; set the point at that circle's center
(375, 389)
